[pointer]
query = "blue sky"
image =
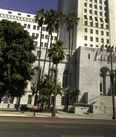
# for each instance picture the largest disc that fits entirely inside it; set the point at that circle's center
(30, 6)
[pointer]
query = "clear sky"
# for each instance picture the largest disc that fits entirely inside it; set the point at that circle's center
(30, 6)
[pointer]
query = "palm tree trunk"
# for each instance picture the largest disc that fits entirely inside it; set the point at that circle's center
(50, 45)
(45, 58)
(55, 92)
(39, 60)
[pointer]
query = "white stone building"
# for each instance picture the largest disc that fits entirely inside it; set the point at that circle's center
(27, 20)
(90, 68)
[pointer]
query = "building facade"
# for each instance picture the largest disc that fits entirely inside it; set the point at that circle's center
(91, 67)
(97, 23)
(28, 22)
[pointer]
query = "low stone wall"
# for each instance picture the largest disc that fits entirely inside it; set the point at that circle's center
(81, 108)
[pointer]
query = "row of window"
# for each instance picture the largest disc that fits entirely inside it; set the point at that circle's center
(86, 30)
(97, 1)
(34, 27)
(100, 7)
(95, 12)
(96, 24)
(95, 19)
(96, 39)
(9, 12)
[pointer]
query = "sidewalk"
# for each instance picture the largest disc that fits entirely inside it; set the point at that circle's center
(59, 114)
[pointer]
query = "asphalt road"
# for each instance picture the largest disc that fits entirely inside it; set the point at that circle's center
(50, 127)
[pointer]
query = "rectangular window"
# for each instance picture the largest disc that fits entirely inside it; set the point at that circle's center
(33, 34)
(85, 4)
(91, 23)
(85, 23)
(95, 6)
(107, 33)
(88, 56)
(96, 39)
(107, 40)
(100, 13)
(34, 27)
(90, 5)
(85, 10)
(28, 15)
(29, 26)
(85, 29)
(37, 35)
(90, 11)
(85, 37)
(96, 24)
(42, 36)
(101, 25)
(95, 12)
(91, 38)
(102, 33)
(10, 12)
(19, 13)
(96, 31)
(91, 30)
(102, 40)
(91, 45)
(25, 25)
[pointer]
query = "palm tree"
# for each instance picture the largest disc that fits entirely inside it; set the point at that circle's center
(71, 92)
(39, 18)
(50, 28)
(56, 54)
(46, 90)
(59, 20)
(71, 20)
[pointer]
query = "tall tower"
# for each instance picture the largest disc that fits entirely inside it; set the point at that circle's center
(97, 25)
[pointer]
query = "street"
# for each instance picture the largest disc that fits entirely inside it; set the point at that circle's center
(50, 127)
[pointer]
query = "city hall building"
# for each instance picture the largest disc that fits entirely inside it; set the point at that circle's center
(91, 61)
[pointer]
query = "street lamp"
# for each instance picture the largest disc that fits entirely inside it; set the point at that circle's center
(111, 49)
